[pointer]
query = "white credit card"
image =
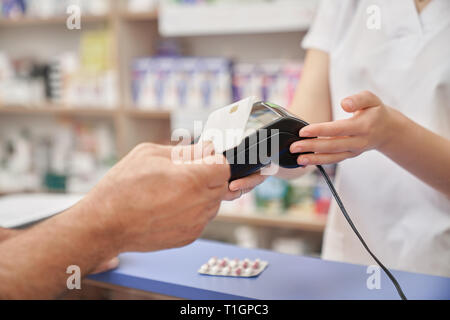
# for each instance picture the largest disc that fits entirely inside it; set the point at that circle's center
(226, 126)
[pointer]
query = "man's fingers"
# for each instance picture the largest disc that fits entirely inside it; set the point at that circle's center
(232, 195)
(336, 128)
(218, 193)
(328, 145)
(180, 153)
(202, 149)
(153, 149)
(214, 170)
(211, 213)
(192, 152)
(248, 182)
(208, 148)
(107, 265)
(242, 186)
(362, 100)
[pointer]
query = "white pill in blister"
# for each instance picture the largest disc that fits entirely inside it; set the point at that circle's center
(216, 269)
(234, 268)
(248, 272)
(212, 261)
(222, 262)
(226, 271)
(234, 263)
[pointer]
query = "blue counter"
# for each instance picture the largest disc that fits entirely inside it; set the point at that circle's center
(174, 273)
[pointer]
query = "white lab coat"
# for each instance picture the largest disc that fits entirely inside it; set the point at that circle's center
(406, 62)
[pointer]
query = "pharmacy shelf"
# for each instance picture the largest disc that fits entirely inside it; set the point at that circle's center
(233, 18)
(139, 16)
(34, 21)
(93, 111)
(136, 35)
(49, 109)
(147, 114)
(306, 222)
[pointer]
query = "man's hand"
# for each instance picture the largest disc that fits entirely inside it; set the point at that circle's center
(148, 202)
(7, 233)
(107, 266)
(242, 186)
(370, 128)
(237, 187)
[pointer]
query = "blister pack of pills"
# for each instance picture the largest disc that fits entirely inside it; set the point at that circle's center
(233, 268)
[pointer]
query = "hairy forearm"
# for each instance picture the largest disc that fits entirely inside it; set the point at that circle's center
(34, 262)
(420, 151)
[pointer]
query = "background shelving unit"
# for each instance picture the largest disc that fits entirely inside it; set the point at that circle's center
(139, 16)
(52, 109)
(263, 17)
(135, 35)
(135, 31)
(47, 21)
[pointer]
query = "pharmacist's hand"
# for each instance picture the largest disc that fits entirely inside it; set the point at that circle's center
(370, 127)
(242, 186)
(147, 202)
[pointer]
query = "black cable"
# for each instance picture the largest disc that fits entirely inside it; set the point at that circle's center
(350, 222)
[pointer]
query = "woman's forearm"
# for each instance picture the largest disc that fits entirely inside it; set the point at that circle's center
(312, 100)
(420, 151)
